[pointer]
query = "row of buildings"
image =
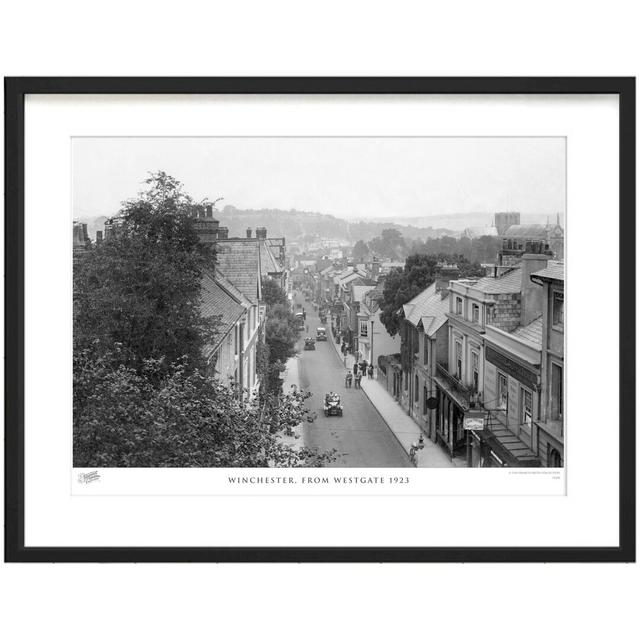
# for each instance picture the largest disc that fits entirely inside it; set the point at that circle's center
(231, 292)
(481, 365)
(478, 362)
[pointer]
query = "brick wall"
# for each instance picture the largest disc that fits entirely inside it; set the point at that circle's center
(506, 311)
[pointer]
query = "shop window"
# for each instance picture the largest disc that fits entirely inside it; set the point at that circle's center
(424, 401)
(558, 309)
(556, 392)
(503, 392)
(526, 407)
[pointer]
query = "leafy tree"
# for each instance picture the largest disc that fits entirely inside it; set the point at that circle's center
(389, 244)
(140, 288)
(122, 419)
(360, 251)
(272, 293)
(280, 334)
(401, 285)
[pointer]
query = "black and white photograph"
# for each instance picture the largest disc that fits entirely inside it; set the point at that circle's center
(348, 302)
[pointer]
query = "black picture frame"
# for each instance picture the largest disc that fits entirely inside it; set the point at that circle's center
(15, 91)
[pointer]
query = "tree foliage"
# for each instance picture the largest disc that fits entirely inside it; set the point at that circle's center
(402, 285)
(360, 251)
(123, 419)
(140, 288)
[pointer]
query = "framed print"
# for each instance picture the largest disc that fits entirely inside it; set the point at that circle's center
(320, 319)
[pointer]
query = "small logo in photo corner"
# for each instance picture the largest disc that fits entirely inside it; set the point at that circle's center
(90, 476)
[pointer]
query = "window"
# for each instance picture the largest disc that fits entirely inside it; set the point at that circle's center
(416, 390)
(475, 313)
(458, 360)
(558, 308)
(526, 407)
(364, 329)
(556, 392)
(475, 368)
(425, 409)
(426, 350)
(459, 306)
(503, 392)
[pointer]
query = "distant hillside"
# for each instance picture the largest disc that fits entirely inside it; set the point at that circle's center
(305, 225)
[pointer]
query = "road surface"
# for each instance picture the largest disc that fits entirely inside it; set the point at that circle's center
(360, 436)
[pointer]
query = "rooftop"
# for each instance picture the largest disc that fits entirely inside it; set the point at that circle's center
(553, 271)
(428, 308)
(531, 333)
(244, 261)
(526, 231)
(217, 301)
(510, 282)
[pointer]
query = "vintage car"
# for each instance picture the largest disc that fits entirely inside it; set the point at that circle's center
(309, 344)
(321, 334)
(332, 406)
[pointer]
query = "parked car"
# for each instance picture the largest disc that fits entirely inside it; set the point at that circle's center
(332, 406)
(309, 344)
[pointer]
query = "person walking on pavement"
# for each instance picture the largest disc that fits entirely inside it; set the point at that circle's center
(355, 368)
(370, 370)
(363, 367)
(358, 380)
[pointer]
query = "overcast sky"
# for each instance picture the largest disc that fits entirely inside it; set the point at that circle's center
(346, 177)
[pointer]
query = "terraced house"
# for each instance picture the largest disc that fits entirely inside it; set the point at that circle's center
(495, 356)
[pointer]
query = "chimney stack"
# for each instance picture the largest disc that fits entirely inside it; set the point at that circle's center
(445, 274)
(531, 301)
(98, 237)
(261, 232)
(249, 232)
(208, 211)
(223, 233)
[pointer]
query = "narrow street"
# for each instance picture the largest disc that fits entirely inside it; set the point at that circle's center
(360, 436)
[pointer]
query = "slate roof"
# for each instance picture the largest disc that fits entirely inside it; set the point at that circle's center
(526, 231)
(531, 333)
(239, 260)
(215, 300)
(428, 308)
(553, 271)
(511, 282)
(359, 291)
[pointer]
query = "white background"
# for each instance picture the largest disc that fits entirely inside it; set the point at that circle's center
(463, 38)
(56, 518)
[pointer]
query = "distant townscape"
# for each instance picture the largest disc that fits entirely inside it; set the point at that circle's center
(203, 340)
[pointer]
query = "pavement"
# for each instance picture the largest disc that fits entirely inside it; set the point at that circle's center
(403, 427)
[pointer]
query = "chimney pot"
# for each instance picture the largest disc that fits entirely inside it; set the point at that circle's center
(249, 232)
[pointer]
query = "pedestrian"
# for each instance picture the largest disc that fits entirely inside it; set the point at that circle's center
(363, 367)
(355, 368)
(370, 372)
(358, 380)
